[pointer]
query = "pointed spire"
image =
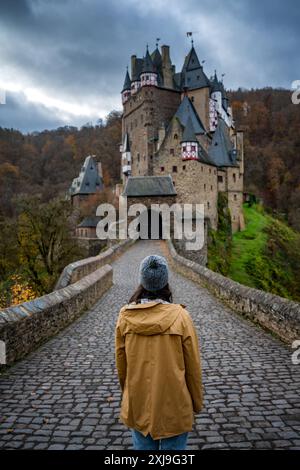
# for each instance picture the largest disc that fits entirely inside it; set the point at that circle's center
(148, 64)
(127, 81)
(189, 133)
(216, 85)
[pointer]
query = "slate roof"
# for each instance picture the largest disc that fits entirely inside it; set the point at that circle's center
(89, 222)
(221, 150)
(156, 58)
(88, 181)
(138, 186)
(189, 133)
(148, 64)
(215, 84)
(127, 82)
(192, 72)
(185, 110)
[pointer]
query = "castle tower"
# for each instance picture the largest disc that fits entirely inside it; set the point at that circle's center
(196, 86)
(220, 102)
(149, 74)
(126, 92)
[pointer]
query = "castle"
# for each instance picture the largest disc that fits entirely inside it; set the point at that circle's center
(179, 142)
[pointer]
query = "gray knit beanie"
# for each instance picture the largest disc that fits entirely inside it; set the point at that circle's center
(154, 273)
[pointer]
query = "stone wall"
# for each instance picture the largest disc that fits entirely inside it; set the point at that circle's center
(274, 313)
(194, 181)
(24, 327)
(143, 114)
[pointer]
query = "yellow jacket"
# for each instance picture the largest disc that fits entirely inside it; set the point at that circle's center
(159, 368)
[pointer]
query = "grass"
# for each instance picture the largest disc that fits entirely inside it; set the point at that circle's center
(247, 243)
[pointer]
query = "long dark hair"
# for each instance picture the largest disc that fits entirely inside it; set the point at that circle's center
(141, 293)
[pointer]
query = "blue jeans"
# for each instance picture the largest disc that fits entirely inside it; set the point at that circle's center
(141, 442)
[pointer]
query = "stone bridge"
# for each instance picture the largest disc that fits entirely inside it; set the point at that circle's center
(65, 395)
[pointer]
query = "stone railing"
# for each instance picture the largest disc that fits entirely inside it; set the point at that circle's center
(276, 314)
(77, 270)
(26, 326)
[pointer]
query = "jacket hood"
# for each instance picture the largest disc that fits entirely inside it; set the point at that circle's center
(150, 318)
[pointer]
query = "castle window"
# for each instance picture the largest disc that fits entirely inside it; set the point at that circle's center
(204, 187)
(193, 148)
(184, 148)
(174, 169)
(234, 177)
(220, 179)
(162, 168)
(151, 156)
(183, 167)
(210, 170)
(211, 188)
(138, 157)
(173, 182)
(171, 151)
(208, 204)
(175, 136)
(235, 197)
(201, 168)
(198, 77)
(216, 143)
(192, 99)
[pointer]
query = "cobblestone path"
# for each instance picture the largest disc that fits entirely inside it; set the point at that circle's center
(66, 394)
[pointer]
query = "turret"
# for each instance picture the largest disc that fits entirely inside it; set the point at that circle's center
(149, 74)
(216, 92)
(126, 156)
(126, 91)
(189, 143)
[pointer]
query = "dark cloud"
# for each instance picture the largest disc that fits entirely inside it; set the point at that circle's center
(19, 113)
(77, 50)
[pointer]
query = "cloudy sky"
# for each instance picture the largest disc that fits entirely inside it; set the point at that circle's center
(62, 62)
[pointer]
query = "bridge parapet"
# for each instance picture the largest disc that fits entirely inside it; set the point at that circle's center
(26, 326)
(272, 312)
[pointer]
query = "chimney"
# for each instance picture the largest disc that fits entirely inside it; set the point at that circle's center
(167, 67)
(133, 65)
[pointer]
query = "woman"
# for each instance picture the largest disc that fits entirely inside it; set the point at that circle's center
(158, 363)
